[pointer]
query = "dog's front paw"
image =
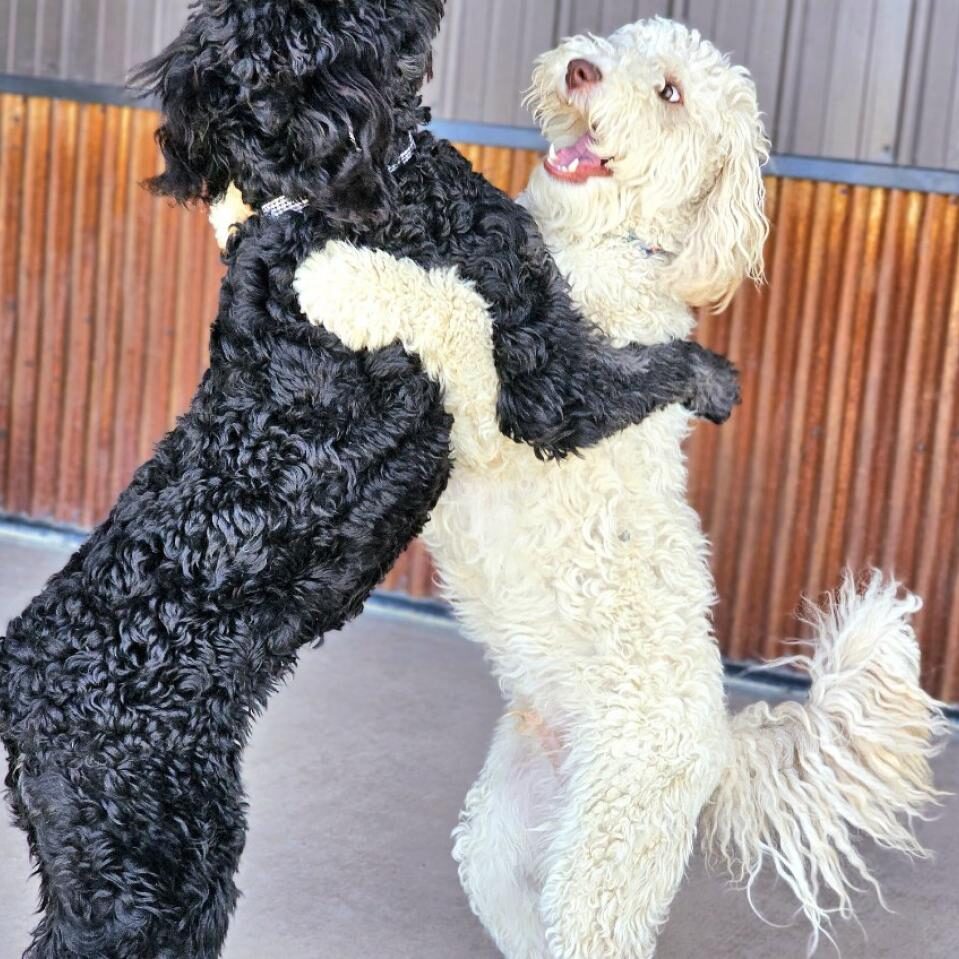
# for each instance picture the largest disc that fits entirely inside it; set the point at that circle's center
(715, 388)
(346, 290)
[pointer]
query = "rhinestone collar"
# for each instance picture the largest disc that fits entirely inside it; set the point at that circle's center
(283, 204)
(647, 249)
(405, 156)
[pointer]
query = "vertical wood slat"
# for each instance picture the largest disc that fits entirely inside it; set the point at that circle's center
(846, 449)
(34, 189)
(937, 574)
(12, 157)
(134, 278)
(96, 466)
(802, 442)
(774, 373)
(57, 225)
(79, 370)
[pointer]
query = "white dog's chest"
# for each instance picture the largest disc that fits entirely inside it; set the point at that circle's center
(551, 565)
(544, 558)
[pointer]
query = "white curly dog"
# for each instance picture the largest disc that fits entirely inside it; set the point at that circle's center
(588, 580)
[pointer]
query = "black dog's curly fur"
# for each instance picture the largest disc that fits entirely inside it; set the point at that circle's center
(128, 687)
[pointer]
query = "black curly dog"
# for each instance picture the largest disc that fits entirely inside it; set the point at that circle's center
(129, 686)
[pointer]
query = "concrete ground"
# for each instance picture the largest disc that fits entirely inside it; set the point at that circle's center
(355, 777)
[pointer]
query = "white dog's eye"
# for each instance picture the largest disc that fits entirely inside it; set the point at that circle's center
(670, 93)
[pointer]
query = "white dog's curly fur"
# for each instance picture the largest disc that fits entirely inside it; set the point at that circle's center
(588, 580)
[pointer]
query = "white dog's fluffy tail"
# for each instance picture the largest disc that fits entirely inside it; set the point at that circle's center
(804, 778)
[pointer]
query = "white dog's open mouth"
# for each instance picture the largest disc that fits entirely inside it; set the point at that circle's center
(577, 163)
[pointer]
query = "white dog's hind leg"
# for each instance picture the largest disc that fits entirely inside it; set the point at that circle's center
(635, 792)
(498, 843)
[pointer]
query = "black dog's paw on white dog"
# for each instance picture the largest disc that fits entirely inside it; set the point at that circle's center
(716, 392)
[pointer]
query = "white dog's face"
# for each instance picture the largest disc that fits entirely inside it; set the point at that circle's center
(654, 133)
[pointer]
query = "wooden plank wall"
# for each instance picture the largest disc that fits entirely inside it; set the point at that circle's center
(106, 295)
(846, 449)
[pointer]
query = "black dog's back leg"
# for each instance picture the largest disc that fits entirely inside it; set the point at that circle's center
(137, 858)
(22, 819)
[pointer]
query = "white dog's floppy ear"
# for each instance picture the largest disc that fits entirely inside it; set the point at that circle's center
(726, 241)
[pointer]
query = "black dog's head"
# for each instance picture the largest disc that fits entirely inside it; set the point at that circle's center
(302, 98)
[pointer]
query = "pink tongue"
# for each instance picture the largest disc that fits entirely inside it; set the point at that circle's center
(581, 151)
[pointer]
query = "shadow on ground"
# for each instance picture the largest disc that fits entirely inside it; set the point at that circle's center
(355, 777)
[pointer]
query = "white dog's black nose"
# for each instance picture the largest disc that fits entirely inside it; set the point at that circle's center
(581, 73)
